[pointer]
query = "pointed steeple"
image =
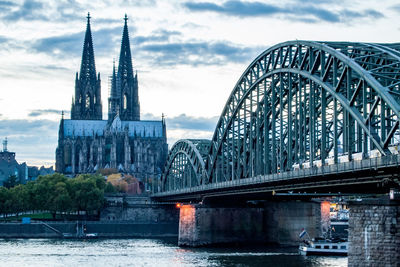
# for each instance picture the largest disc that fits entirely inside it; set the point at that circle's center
(125, 60)
(88, 67)
(127, 85)
(87, 104)
(113, 100)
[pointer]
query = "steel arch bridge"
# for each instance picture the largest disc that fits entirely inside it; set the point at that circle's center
(300, 104)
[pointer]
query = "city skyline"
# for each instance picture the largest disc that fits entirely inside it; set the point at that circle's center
(187, 63)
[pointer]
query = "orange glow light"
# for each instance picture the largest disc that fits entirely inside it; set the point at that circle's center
(178, 205)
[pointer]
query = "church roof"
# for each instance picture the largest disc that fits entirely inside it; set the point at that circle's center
(83, 128)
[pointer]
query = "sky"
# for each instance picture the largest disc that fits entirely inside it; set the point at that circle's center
(188, 55)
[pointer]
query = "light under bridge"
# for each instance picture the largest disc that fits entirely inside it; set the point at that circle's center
(306, 116)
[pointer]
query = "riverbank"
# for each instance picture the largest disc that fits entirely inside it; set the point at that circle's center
(103, 229)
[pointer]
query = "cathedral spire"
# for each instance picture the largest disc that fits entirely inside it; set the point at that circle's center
(125, 59)
(87, 102)
(88, 67)
(127, 84)
(113, 99)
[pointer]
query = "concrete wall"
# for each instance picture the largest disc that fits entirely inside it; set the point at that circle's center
(200, 225)
(285, 220)
(110, 230)
(137, 209)
(277, 222)
(374, 233)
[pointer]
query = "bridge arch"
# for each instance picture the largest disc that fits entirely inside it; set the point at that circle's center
(299, 104)
(308, 102)
(185, 166)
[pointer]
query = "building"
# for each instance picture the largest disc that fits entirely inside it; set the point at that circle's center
(87, 143)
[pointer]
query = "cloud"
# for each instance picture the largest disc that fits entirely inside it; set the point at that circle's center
(41, 112)
(304, 12)
(28, 10)
(197, 53)
(65, 46)
(396, 7)
(185, 122)
(156, 36)
(30, 139)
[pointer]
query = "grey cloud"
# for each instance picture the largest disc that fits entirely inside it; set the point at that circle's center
(185, 122)
(156, 36)
(396, 7)
(192, 123)
(197, 53)
(71, 45)
(28, 10)
(16, 127)
(307, 12)
(40, 112)
(35, 139)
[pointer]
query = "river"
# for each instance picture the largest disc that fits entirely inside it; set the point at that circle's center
(147, 252)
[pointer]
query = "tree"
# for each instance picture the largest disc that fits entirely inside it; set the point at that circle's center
(4, 196)
(11, 181)
(109, 188)
(86, 195)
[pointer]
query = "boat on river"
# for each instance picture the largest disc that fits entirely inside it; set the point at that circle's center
(322, 246)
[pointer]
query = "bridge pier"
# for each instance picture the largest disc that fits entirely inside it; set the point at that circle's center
(274, 222)
(374, 232)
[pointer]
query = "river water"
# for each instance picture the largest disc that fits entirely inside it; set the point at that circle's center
(147, 252)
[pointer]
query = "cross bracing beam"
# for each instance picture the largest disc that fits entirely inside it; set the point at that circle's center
(304, 103)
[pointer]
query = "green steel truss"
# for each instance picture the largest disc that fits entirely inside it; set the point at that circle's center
(299, 104)
(185, 166)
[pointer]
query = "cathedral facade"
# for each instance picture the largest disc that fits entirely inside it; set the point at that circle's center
(87, 143)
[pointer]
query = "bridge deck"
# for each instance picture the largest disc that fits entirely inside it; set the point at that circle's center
(356, 172)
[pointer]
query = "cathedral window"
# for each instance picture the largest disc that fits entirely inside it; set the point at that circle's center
(87, 101)
(125, 102)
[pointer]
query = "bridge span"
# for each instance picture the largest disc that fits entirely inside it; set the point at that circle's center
(305, 116)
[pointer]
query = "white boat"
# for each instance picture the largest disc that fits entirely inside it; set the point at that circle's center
(321, 246)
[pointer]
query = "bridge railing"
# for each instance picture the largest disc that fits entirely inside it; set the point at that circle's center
(345, 167)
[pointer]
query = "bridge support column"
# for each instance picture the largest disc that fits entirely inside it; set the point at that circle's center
(201, 225)
(286, 219)
(274, 222)
(374, 232)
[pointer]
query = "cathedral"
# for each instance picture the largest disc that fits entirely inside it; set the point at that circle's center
(87, 143)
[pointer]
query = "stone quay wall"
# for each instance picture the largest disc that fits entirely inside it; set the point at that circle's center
(374, 233)
(104, 230)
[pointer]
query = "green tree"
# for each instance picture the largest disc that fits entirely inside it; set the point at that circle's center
(109, 188)
(20, 198)
(11, 181)
(60, 199)
(86, 194)
(4, 196)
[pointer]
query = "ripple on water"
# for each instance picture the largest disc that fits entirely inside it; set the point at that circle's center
(147, 252)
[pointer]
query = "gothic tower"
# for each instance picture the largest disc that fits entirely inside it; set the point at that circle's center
(87, 102)
(124, 97)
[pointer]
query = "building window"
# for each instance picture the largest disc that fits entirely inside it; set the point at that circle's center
(94, 99)
(125, 102)
(87, 101)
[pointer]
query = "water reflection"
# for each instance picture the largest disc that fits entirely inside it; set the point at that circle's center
(147, 252)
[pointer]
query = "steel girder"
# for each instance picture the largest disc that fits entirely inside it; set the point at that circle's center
(305, 102)
(185, 166)
(301, 104)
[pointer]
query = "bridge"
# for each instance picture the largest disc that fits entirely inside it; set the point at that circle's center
(309, 116)
(306, 118)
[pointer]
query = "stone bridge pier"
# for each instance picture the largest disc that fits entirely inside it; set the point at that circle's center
(374, 232)
(278, 222)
